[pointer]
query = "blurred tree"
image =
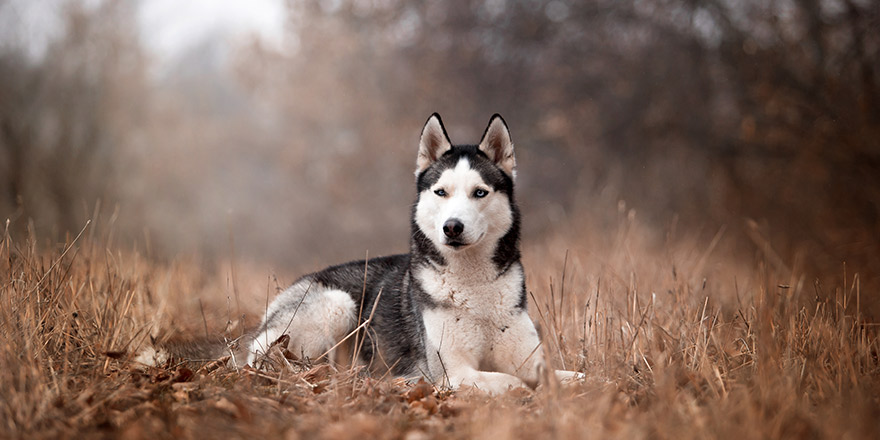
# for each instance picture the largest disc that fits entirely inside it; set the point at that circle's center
(64, 116)
(714, 110)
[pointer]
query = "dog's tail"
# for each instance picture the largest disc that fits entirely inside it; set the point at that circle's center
(196, 352)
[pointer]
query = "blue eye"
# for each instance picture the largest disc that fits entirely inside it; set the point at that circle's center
(480, 193)
(440, 192)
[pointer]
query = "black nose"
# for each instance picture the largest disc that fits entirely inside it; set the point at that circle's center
(453, 228)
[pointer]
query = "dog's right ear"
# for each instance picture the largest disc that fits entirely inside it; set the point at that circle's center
(433, 143)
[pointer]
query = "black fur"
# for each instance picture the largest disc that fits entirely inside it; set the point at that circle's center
(395, 328)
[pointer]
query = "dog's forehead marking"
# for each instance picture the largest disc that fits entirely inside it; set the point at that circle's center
(460, 176)
(491, 174)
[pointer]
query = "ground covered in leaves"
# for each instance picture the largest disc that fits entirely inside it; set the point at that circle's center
(680, 341)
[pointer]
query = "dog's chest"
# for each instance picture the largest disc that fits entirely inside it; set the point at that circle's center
(470, 314)
(474, 293)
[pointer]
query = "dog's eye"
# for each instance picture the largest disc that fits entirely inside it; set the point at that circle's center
(440, 192)
(480, 193)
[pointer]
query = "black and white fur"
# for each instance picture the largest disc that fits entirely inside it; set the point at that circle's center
(452, 310)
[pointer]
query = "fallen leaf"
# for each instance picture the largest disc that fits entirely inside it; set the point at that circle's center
(419, 391)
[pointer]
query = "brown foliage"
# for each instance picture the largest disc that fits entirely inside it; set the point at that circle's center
(769, 113)
(678, 341)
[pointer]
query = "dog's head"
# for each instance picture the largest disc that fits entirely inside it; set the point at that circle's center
(465, 191)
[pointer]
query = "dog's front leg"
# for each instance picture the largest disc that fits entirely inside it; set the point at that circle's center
(489, 381)
(454, 346)
(518, 351)
(455, 363)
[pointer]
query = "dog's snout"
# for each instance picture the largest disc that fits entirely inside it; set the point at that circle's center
(453, 228)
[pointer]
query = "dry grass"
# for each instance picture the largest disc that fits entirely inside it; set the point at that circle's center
(677, 341)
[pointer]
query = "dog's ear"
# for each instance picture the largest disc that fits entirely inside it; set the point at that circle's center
(497, 145)
(433, 143)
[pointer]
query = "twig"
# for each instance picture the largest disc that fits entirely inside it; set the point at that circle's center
(555, 336)
(445, 374)
(358, 348)
(204, 320)
(528, 357)
(354, 332)
(361, 309)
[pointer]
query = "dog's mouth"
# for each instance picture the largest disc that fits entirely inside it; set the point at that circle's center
(459, 245)
(455, 244)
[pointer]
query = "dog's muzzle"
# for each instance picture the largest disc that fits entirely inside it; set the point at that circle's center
(453, 229)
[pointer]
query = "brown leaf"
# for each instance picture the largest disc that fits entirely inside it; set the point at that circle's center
(128, 399)
(319, 388)
(283, 341)
(319, 374)
(449, 409)
(289, 355)
(115, 354)
(419, 391)
(234, 408)
(185, 386)
(183, 391)
(428, 404)
(214, 365)
(183, 375)
(226, 406)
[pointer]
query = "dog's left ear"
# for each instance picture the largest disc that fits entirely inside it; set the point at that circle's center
(497, 145)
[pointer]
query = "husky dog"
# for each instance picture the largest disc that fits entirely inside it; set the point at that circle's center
(452, 310)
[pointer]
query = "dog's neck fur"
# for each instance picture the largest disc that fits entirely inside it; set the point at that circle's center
(466, 282)
(469, 265)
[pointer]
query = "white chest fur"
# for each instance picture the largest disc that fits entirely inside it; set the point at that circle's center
(472, 321)
(474, 292)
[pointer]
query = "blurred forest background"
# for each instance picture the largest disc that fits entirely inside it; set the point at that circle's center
(758, 117)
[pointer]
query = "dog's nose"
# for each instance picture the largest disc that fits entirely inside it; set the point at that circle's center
(453, 228)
